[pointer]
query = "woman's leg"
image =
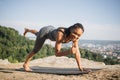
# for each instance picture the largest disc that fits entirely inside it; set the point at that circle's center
(26, 64)
(38, 45)
(30, 30)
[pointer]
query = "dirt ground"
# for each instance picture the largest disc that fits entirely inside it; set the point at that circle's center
(9, 71)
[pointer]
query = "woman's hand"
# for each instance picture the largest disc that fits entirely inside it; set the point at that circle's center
(74, 51)
(80, 68)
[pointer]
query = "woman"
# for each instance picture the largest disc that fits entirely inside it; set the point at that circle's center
(60, 35)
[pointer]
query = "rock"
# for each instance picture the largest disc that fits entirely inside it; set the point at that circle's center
(4, 61)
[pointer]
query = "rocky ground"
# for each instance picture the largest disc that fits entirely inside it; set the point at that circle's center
(9, 71)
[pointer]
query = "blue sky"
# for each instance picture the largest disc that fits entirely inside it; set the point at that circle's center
(101, 18)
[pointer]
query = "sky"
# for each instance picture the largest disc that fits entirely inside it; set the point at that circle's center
(100, 18)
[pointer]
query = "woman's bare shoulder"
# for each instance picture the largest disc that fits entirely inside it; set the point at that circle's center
(60, 34)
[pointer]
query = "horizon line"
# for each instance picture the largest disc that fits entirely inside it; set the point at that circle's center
(85, 39)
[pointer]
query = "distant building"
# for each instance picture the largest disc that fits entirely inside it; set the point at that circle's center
(118, 57)
(104, 56)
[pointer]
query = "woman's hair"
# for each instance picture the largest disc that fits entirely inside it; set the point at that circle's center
(77, 25)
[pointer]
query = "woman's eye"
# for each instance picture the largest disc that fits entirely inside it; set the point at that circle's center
(76, 34)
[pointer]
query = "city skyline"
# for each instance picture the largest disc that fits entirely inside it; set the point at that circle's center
(100, 18)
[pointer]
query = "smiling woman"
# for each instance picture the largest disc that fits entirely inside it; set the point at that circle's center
(60, 35)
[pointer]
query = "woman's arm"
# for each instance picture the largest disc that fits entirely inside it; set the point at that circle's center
(58, 51)
(75, 50)
(58, 44)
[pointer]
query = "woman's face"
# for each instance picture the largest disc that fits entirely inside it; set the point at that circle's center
(75, 33)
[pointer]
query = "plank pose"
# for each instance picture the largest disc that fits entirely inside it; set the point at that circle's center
(60, 35)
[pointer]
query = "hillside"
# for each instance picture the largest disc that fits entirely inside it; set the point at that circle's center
(9, 71)
(13, 46)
